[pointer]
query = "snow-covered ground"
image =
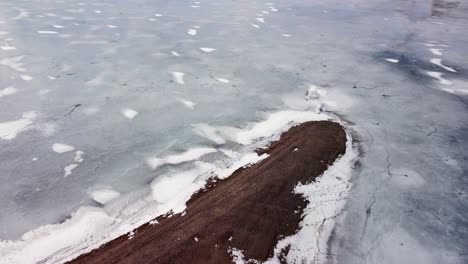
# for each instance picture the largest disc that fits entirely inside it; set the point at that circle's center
(106, 105)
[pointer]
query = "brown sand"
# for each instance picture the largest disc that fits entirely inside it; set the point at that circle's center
(251, 210)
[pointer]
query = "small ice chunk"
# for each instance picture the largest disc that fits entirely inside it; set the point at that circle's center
(255, 25)
(79, 156)
(178, 77)
(192, 32)
(261, 19)
(58, 26)
(26, 77)
(129, 113)
(62, 148)
(158, 15)
(7, 47)
(392, 60)
(68, 169)
(175, 53)
(434, 45)
(187, 103)
(438, 62)
(111, 26)
(47, 32)
(222, 80)
(8, 91)
(438, 76)
(436, 51)
(207, 50)
(286, 35)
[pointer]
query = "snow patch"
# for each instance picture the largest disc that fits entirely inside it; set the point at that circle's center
(207, 50)
(327, 198)
(10, 129)
(178, 77)
(191, 154)
(8, 91)
(129, 113)
(68, 169)
(62, 148)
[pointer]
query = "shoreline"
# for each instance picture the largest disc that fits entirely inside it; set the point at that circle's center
(250, 211)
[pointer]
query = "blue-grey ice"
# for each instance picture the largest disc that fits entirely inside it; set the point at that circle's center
(116, 111)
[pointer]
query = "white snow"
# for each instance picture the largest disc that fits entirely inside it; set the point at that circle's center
(178, 77)
(188, 155)
(62, 148)
(47, 32)
(274, 123)
(327, 198)
(90, 227)
(85, 225)
(438, 62)
(8, 91)
(79, 156)
(392, 60)
(207, 50)
(187, 103)
(129, 113)
(7, 47)
(192, 32)
(103, 195)
(14, 63)
(438, 76)
(26, 77)
(436, 51)
(10, 129)
(68, 169)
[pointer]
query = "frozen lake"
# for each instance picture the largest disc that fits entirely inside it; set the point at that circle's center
(100, 99)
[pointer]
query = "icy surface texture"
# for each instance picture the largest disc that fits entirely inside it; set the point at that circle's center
(92, 90)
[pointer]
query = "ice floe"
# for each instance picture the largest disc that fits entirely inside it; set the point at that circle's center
(207, 50)
(178, 77)
(392, 60)
(68, 169)
(129, 113)
(62, 148)
(192, 32)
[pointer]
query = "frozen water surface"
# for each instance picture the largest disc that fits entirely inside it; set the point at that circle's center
(76, 72)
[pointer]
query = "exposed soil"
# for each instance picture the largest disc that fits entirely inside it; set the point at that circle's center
(251, 210)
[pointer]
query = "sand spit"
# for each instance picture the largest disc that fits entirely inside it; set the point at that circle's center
(249, 211)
